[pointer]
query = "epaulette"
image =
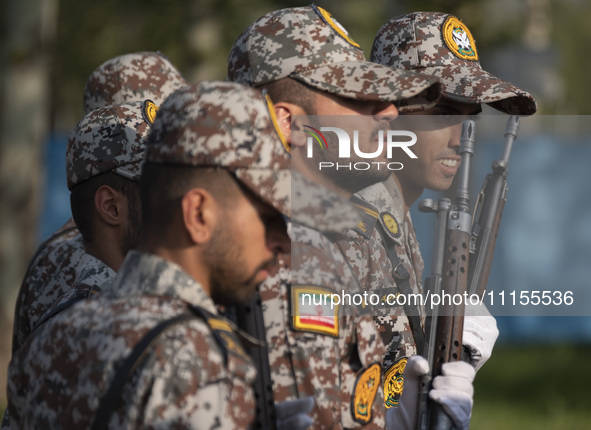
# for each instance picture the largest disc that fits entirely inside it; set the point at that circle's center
(224, 333)
(369, 217)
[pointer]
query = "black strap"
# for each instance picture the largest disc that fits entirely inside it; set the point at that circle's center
(112, 396)
(403, 280)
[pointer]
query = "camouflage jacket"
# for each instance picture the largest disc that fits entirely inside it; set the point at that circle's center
(366, 251)
(195, 375)
(51, 273)
(332, 354)
(92, 275)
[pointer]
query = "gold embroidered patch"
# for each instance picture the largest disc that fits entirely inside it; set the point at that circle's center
(149, 111)
(394, 383)
(336, 26)
(271, 108)
(458, 39)
(226, 333)
(216, 324)
(313, 310)
(390, 224)
(364, 393)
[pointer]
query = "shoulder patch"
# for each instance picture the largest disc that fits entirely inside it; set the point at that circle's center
(390, 224)
(369, 217)
(364, 393)
(458, 39)
(394, 382)
(313, 310)
(225, 333)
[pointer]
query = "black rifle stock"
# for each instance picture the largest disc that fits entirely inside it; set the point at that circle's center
(449, 278)
(487, 215)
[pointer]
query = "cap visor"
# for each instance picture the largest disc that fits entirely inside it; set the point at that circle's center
(300, 199)
(272, 186)
(475, 85)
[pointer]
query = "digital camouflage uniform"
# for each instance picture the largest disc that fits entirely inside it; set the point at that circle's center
(439, 45)
(126, 78)
(188, 379)
(51, 273)
(196, 374)
(334, 355)
(92, 276)
(367, 254)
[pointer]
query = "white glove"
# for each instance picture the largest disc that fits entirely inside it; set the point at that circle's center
(294, 414)
(404, 415)
(454, 391)
(480, 334)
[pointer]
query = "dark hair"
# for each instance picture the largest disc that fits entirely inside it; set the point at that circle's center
(162, 187)
(290, 90)
(82, 200)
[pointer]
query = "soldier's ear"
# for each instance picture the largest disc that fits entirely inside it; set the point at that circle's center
(110, 205)
(199, 215)
(285, 113)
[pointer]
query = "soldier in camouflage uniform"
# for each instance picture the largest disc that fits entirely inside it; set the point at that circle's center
(104, 157)
(440, 45)
(52, 270)
(330, 353)
(214, 183)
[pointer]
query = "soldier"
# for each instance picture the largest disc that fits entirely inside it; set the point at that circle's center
(440, 45)
(103, 162)
(309, 65)
(214, 185)
(52, 270)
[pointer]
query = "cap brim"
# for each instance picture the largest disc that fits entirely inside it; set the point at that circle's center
(300, 199)
(364, 80)
(272, 186)
(475, 85)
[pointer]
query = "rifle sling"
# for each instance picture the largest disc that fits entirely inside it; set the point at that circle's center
(112, 395)
(403, 280)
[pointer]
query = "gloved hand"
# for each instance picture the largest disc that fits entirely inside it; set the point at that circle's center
(480, 334)
(404, 416)
(294, 414)
(454, 391)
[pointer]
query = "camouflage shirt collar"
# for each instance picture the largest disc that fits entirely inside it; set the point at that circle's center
(93, 272)
(386, 197)
(147, 274)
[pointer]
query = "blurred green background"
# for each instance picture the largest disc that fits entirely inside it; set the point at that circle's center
(49, 47)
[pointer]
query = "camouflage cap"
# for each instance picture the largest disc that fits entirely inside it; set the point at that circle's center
(109, 138)
(441, 45)
(307, 44)
(131, 77)
(228, 125)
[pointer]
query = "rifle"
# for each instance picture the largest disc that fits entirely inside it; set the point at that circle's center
(250, 319)
(487, 215)
(449, 275)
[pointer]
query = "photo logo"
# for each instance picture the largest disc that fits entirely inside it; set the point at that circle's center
(349, 148)
(317, 135)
